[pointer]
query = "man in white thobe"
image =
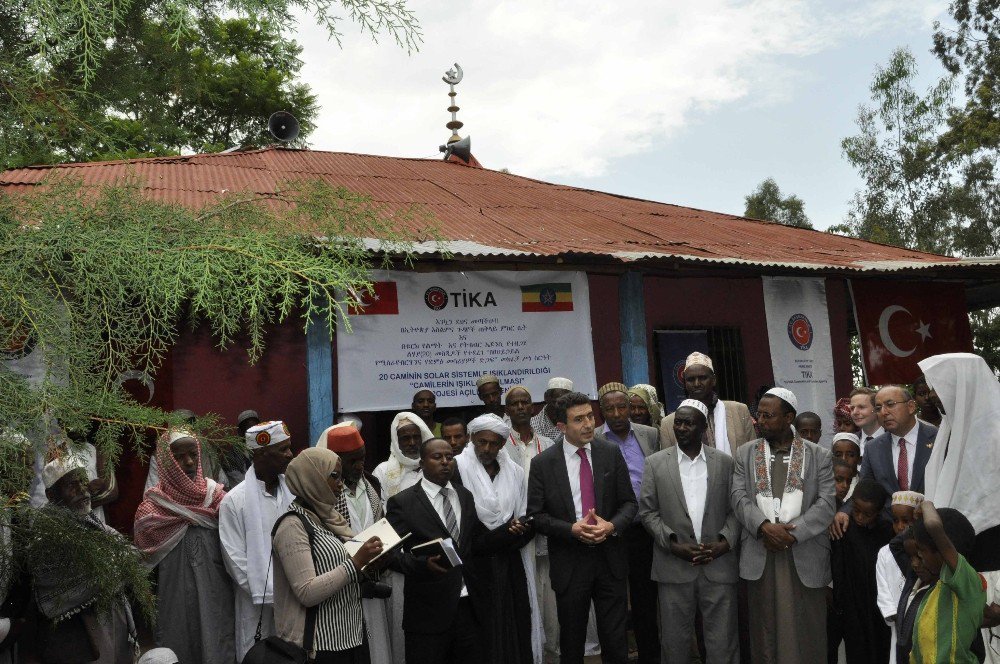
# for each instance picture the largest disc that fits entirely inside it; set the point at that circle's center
(246, 517)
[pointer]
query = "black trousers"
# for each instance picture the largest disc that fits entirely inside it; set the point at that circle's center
(593, 582)
(642, 594)
(460, 643)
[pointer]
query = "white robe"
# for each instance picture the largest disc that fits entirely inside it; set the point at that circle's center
(376, 611)
(889, 581)
(992, 597)
(233, 536)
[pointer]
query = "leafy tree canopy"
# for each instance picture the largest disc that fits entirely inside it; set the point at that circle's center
(104, 79)
(766, 202)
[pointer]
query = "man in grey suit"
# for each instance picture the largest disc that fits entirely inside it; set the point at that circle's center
(636, 442)
(783, 497)
(685, 506)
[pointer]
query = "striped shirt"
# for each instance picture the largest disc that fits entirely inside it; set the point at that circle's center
(949, 617)
(338, 619)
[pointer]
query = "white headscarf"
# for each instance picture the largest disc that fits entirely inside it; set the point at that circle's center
(497, 502)
(399, 465)
(963, 471)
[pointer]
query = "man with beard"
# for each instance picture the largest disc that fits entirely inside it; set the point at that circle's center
(544, 423)
(685, 506)
(424, 404)
(246, 517)
(783, 497)
(176, 529)
(636, 442)
(729, 422)
(71, 630)
(499, 486)
(359, 503)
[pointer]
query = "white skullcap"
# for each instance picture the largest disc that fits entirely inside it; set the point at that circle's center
(486, 379)
(350, 418)
(489, 422)
(559, 384)
(697, 358)
(266, 433)
(909, 498)
(516, 387)
(849, 437)
(173, 435)
(56, 469)
(159, 656)
(697, 405)
(784, 395)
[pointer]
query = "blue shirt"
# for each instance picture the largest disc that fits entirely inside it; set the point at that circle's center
(632, 451)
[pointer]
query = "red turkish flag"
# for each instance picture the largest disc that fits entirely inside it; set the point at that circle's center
(381, 300)
(901, 323)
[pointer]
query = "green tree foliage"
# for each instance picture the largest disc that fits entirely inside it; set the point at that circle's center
(928, 172)
(906, 199)
(100, 79)
(766, 202)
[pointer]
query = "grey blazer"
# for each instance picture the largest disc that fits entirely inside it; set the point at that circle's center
(648, 437)
(664, 513)
(812, 551)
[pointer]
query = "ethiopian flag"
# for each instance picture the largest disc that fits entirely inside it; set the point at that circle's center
(547, 297)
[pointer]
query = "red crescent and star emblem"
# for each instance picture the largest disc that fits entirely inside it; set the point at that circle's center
(800, 331)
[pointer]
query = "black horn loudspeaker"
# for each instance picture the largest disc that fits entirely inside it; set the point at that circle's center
(283, 126)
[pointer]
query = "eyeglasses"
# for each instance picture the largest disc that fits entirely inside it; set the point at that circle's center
(890, 404)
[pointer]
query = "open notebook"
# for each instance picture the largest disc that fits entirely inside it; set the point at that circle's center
(382, 530)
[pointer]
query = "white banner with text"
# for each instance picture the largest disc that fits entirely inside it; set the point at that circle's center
(442, 331)
(798, 332)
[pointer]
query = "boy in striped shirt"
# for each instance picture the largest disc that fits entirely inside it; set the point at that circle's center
(951, 612)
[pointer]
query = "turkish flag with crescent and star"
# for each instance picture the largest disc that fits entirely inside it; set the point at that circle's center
(901, 323)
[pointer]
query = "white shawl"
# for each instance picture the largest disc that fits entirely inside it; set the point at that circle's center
(963, 471)
(497, 502)
(258, 541)
(394, 471)
(721, 432)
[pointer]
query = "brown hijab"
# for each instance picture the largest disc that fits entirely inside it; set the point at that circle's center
(306, 476)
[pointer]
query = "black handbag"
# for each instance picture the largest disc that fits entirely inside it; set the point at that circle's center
(274, 650)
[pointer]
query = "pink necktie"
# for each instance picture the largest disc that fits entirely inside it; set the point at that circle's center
(586, 483)
(903, 467)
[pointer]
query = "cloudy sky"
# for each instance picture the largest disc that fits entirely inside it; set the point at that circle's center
(691, 102)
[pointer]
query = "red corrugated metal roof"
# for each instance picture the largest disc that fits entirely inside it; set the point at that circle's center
(499, 210)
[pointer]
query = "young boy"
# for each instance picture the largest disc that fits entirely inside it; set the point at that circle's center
(809, 426)
(855, 588)
(890, 579)
(844, 478)
(847, 448)
(951, 612)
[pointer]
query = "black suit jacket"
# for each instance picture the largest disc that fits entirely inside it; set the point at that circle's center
(430, 600)
(550, 502)
(877, 462)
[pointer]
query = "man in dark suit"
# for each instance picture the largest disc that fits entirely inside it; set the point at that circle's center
(897, 458)
(685, 506)
(443, 608)
(636, 442)
(581, 497)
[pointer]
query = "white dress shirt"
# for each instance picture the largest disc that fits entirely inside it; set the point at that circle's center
(358, 506)
(911, 452)
(573, 468)
(433, 492)
(864, 438)
(694, 480)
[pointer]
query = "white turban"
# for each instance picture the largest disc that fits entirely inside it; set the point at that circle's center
(697, 405)
(56, 469)
(559, 384)
(401, 420)
(489, 422)
(784, 395)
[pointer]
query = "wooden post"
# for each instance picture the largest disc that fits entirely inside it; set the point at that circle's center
(632, 318)
(319, 376)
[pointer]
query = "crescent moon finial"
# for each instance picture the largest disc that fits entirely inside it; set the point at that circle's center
(454, 75)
